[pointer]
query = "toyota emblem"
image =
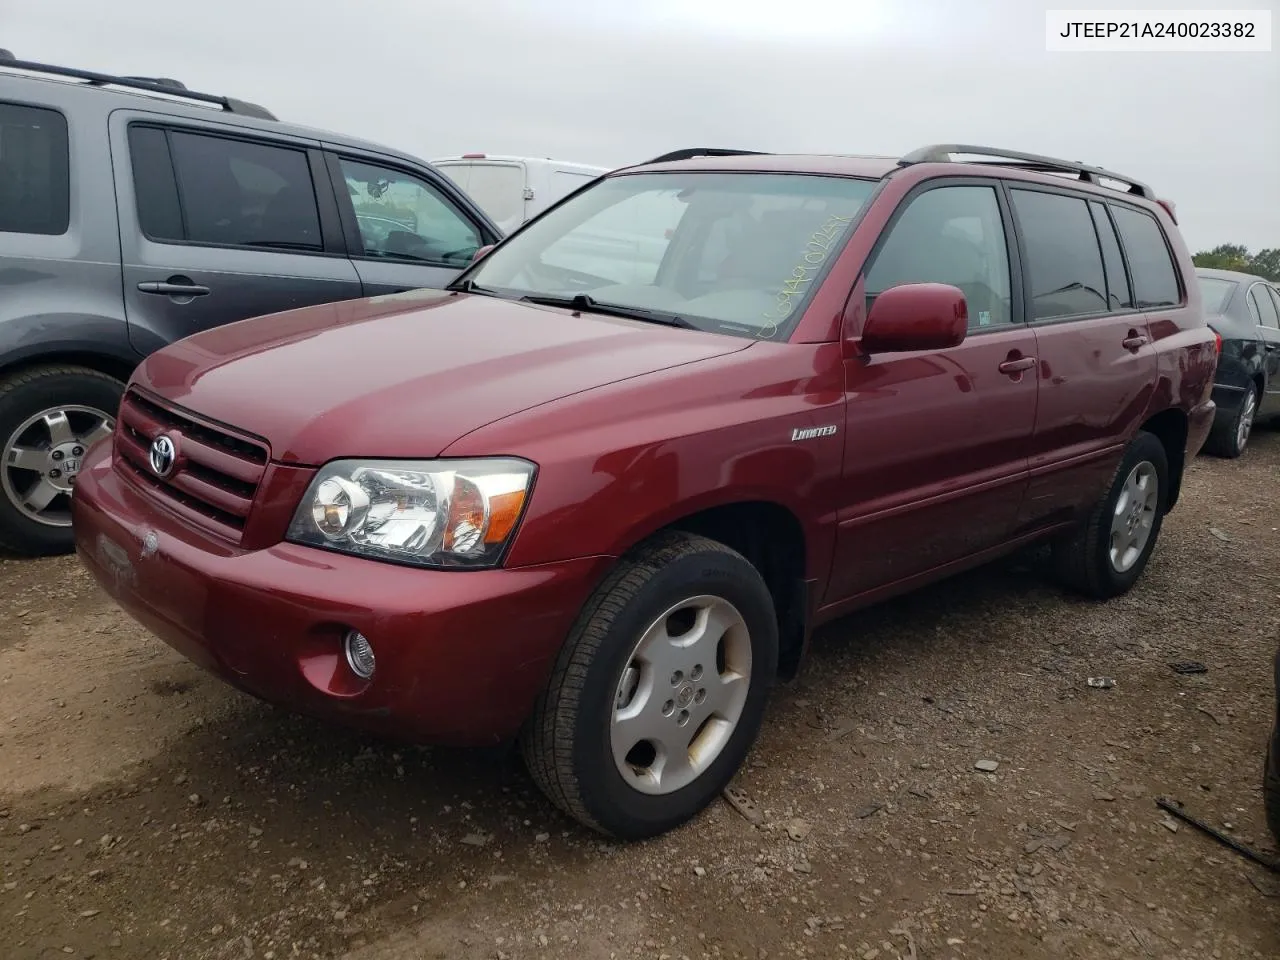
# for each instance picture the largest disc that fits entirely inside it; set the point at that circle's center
(163, 456)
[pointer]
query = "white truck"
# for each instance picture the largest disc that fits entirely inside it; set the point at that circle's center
(515, 189)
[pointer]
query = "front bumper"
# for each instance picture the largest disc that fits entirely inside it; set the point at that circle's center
(461, 655)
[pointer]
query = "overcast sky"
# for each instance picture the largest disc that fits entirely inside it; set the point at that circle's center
(618, 81)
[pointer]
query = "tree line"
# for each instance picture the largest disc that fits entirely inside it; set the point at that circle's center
(1231, 256)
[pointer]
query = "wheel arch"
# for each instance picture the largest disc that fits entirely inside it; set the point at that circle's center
(773, 539)
(115, 365)
(1170, 427)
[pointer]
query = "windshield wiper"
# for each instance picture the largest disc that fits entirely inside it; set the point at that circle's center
(584, 301)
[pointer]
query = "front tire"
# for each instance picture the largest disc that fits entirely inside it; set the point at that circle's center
(1230, 435)
(659, 691)
(49, 417)
(1107, 554)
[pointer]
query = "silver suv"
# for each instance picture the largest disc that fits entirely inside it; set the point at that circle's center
(134, 212)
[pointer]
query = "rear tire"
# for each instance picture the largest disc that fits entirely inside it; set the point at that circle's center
(1230, 434)
(611, 673)
(39, 407)
(1108, 553)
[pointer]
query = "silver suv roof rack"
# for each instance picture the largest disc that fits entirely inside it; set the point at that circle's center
(173, 88)
(942, 153)
(693, 152)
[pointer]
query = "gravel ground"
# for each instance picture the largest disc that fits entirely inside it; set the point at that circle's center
(148, 811)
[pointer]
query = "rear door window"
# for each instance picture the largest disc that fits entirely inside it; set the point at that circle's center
(205, 189)
(1275, 298)
(1064, 261)
(35, 181)
(247, 194)
(1155, 278)
(1266, 307)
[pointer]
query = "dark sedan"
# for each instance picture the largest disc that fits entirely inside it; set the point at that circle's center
(1245, 311)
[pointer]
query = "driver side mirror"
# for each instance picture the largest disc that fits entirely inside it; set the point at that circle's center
(916, 316)
(482, 252)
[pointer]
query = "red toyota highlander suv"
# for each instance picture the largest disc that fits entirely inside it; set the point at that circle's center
(597, 495)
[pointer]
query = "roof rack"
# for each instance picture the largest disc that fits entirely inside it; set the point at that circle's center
(693, 152)
(941, 153)
(164, 85)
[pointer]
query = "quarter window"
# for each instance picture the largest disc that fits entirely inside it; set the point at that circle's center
(403, 218)
(951, 235)
(1064, 260)
(1155, 278)
(35, 182)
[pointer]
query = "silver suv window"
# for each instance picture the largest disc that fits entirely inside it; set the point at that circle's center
(196, 188)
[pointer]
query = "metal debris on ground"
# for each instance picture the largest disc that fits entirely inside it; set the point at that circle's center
(868, 810)
(1101, 683)
(1189, 666)
(1219, 534)
(1175, 808)
(739, 800)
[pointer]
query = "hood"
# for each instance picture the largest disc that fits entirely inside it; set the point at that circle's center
(405, 375)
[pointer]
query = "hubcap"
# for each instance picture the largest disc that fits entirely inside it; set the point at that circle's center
(681, 695)
(1134, 516)
(42, 458)
(1247, 411)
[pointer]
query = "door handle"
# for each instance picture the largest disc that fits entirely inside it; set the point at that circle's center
(1134, 340)
(167, 288)
(1015, 367)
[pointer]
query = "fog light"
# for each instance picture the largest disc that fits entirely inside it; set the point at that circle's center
(359, 653)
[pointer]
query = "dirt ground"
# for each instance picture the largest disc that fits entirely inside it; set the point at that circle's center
(148, 811)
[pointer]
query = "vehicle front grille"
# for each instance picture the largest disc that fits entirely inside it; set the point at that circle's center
(215, 473)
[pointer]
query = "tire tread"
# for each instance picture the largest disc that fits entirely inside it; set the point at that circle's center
(546, 742)
(24, 378)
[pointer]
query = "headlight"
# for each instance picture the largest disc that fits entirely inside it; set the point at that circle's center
(434, 513)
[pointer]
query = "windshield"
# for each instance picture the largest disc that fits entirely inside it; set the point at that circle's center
(1216, 292)
(737, 253)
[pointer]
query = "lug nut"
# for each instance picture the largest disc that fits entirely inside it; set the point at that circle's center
(696, 673)
(57, 454)
(676, 678)
(55, 473)
(668, 708)
(77, 451)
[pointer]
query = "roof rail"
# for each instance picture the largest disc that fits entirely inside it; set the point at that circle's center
(164, 85)
(692, 152)
(941, 153)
